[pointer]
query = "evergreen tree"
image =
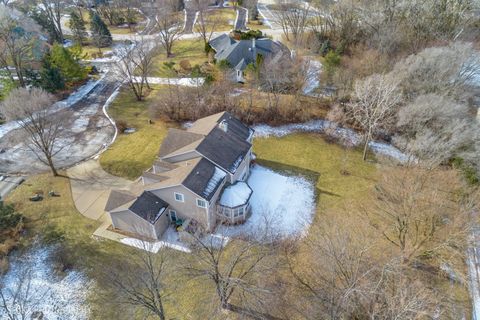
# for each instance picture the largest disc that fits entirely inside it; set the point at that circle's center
(101, 36)
(77, 25)
(51, 78)
(70, 68)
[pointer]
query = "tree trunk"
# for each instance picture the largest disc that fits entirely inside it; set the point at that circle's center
(52, 166)
(365, 149)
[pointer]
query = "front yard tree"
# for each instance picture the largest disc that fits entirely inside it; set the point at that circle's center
(169, 25)
(373, 106)
(30, 108)
(77, 25)
(134, 66)
(101, 36)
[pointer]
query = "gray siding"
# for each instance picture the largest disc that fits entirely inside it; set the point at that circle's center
(130, 222)
(187, 209)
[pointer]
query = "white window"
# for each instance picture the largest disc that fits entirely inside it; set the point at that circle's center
(179, 197)
(238, 212)
(201, 203)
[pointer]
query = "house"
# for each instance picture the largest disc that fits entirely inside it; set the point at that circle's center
(199, 177)
(240, 53)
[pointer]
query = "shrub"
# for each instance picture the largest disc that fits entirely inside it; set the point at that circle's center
(121, 125)
(185, 65)
(8, 217)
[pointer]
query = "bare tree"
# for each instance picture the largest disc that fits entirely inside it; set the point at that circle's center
(30, 108)
(134, 66)
(169, 25)
(293, 18)
(205, 23)
(375, 102)
(52, 11)
(436, 129)
(141, 281)
(234, 270)
(423, 212)
(337, 275)
(17, 36)
(448, 70)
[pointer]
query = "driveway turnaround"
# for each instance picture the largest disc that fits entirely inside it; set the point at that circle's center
(91, 187)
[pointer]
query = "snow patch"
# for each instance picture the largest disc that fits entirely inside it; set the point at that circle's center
(57, 298)
(153, 247)
(187, 82)
(313, 77)
(280, 205)
(214, 181)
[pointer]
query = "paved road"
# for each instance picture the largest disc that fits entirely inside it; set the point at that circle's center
(241, 20)
(190, 18)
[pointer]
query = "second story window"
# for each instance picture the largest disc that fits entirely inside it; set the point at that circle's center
(201, 203)
(179, 197)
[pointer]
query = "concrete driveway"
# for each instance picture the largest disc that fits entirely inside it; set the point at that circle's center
(91, 187)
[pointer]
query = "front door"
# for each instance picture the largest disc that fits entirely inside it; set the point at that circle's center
(173, 215)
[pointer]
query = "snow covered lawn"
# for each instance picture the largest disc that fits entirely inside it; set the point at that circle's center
(280, 205)
(56, 297)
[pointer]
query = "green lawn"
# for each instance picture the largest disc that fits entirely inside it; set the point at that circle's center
(192, 51)
(131, 154)
(222, 19)
(323, 162)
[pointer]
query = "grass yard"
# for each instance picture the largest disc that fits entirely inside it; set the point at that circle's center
(123, 29)
(257, 24)
(131, 154)
(311, 155)
(192, 51)
(93, 52)
(223, 19)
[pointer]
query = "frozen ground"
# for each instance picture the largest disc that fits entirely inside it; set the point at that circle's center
(187, 82)
(313, 77)
(280, 205)
(58, 298)
(169, 240)
(345, 135)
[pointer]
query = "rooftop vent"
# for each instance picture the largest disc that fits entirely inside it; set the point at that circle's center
(223, 125)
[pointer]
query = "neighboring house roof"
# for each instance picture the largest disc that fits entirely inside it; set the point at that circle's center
(153, 176)
(177, 139)
(204, 179)
(118, 198)
(240, 53)
(149, 207)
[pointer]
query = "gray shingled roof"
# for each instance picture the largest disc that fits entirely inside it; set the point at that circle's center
(234, 51)
(149, 207)
(236, 126)
(118, 198)
(177, 139)
(225, 149)
(205, 179)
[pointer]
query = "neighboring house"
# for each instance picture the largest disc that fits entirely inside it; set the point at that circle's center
(199, 177)
(240, 53)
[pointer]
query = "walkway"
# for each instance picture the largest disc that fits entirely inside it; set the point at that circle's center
(91, 187)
